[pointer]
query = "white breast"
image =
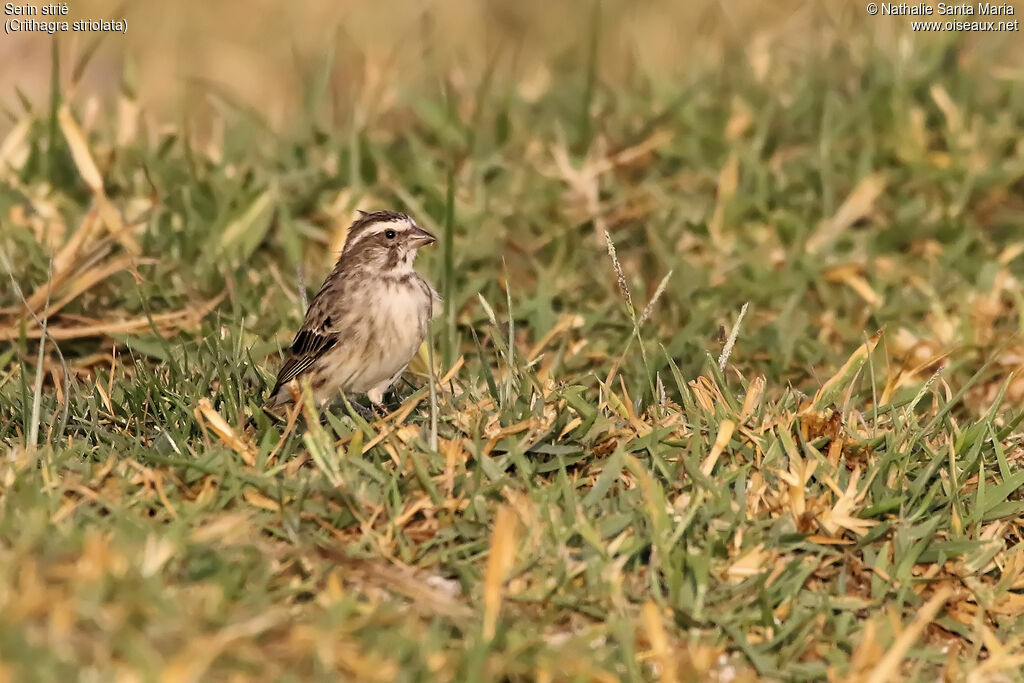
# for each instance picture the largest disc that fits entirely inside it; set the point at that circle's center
(398, 311)
(400, 326)
(403, 311)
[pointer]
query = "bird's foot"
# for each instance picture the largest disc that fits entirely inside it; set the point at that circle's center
(369, 413)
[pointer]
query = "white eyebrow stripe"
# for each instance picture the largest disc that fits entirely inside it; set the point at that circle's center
(379, 227)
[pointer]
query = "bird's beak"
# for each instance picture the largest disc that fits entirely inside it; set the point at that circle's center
(421, 238)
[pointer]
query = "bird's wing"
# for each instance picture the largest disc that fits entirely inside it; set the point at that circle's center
(436, 302)
(315, 338)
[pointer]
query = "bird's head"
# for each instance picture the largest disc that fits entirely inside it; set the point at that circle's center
(384, 240)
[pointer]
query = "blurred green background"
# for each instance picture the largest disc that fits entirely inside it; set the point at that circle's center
(264, 52)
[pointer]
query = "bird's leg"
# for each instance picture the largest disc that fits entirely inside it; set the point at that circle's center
(401, 390)
(376, 396)
(378, 409)
(370, 413)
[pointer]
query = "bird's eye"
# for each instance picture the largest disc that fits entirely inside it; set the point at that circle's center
(390, 234)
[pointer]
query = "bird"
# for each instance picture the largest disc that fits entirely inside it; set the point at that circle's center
(368, 319)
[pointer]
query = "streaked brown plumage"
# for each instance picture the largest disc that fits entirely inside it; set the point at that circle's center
(369, 317)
